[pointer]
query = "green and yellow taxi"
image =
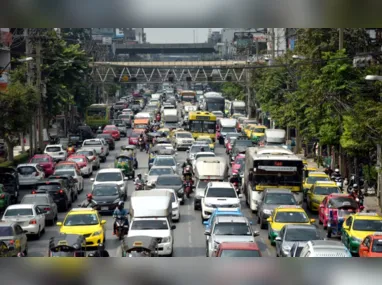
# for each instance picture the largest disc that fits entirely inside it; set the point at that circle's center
(318, 192)
(86, 222)
(257, 133)
(207, 140)
(248, 129)
(357, 227)
(312, 178)
(285, 215)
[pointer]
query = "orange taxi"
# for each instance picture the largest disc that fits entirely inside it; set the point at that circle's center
(371, 246)
(141, 124)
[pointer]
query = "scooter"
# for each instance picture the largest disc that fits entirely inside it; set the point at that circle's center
(141, 144)
(120, 228)
(188, 187)
(139, 186)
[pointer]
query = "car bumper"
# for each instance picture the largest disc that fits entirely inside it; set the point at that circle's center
(183, 145)
(198, 202)
(94, 240)
(85, 171)
(107, 208)
(354, 247)
(49, 216)
(31, 229)
(60, 202)
(164, 248)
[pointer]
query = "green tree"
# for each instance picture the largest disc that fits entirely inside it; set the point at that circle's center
(232, 91)
(18, 104)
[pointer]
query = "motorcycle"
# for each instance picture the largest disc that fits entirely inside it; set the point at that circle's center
(120, 228)
(141, 144)
(188, 187)
(187, 171)
(139, 186)
(339, 182)
(236, 187)
(71, 150)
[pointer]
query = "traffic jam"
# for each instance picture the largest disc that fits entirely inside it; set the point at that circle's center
(181, 173)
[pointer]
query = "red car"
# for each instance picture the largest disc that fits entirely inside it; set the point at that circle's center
(228, 142)
(133, 138)
(238, 163)
(237, 249)
(371, 246)
(113, 131)
(336, 201)
(45, 161)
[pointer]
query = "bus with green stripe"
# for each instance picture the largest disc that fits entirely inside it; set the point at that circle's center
(97, 115)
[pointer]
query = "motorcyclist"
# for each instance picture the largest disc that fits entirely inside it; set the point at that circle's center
(187, 163)
(99, 131)
(120, 212)
(89, 202)
(235, 179)
(101, 251)
(336, 173)
(139, 179)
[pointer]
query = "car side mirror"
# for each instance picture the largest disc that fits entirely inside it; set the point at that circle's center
(269, 220)
(59, 224)
(103, 222)
(92, 179)
(256, 233)
(207, 233)
(278, 239)
(312, 221)
(173, 227)
(363, 247)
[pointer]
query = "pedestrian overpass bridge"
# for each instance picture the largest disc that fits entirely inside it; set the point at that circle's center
(173, 71)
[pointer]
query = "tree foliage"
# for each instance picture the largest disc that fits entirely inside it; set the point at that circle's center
(233, 91)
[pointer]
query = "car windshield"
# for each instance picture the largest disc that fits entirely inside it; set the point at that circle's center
(169, 180)
(377, 246)
(367, 225)
(342, 202)
(184, 135)
(301, 234)
(105, 190)
(35, 200)
(53, 149)
(135, 134)
(198, 148)
(165, 162)
(221, 192)
(123, 159)
(140, 126)
(243, 143)
(19, 212)
(232, 229)
(280, 199)
(149, 225)
(208, 141)
(39, 159)
(239, 253)
(66, 172)
(92, 143)
(106, 177)
(160, 171)
(81, 220)
(6, 231)
(291, 217)
(49, 187)
(228, 129)
(76, 159)
(320, 190)
(313, 179)
(26, 170)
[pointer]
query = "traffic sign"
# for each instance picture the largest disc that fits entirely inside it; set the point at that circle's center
(125, 78)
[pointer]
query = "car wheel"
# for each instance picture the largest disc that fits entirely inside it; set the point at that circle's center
(195, 207)
(25, 252)
(38, 235)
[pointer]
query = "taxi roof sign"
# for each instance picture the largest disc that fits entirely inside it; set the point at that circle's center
(289, 207)
(138, 243)
(368, 214)
(62, 242)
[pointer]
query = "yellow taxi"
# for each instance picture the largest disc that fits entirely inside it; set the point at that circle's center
(248, 129)
(318, 192)
(165, 131)
(257, 133)
(312, 178)
(172, 133)
(284, 215)
(207, 140)
(86, 222)
(357, 227)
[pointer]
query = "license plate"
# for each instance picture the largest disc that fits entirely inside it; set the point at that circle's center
(104, 208)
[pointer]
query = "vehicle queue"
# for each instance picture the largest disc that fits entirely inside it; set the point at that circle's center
(259, 168)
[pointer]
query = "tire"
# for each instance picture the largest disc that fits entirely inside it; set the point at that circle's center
(38, 235)
(26, 250)
(263, 225)
(195, 207)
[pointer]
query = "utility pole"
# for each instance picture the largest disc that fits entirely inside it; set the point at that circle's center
(341, 39)
(40, 120)
(32, 130)
(273, 43)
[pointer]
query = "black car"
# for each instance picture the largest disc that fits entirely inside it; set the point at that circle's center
(172, 181)
(109, 139)
(240, 145)
(85, 132)
(58, 190)
(70, 183)
(10, 180)
(108, 196)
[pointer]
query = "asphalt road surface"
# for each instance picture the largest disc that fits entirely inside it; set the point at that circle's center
(189, 239)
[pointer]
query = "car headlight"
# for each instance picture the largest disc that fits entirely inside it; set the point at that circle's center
(166, 239)
(267, 212)
(208, 205)
(97, 233)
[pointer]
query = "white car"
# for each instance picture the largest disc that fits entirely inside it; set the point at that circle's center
(92, 156)
(56, 151)
(105, 176)
(219, 195)
(30, 174)
(183, 139)
(75, 174)
(196, 148)
(86, 169)
(166, 160)
(99, 145)
(201, 155)
(28, 216)
(175, 204)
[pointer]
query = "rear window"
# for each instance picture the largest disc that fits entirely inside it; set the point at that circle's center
(135, 135)
(49, 187)
(53, 149)
(84, 152)
(70, 172)
(65, 166)
(108, 177)
(77, 159)
(35, 200)
(19, 212)
(221, 192)
(39, 159)
(25, 170)
(92, 143)
(6, 231)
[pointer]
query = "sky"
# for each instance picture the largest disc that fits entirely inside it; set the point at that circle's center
(177, 35)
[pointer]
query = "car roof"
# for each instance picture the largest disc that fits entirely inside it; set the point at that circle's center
(75, 211)
(278, 191)
(109, 170)
(327, 244)
(317, 173)
(20, 206)
(27, 164)
(54, 145)
(231, 219)
(367, 216)
(240, 245)
(323, 183)
(220, 184)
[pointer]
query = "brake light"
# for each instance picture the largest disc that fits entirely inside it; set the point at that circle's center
(34, 192)
(61, 191)
(11, 242)
(2, 196)
(33, 222)
(46, 209)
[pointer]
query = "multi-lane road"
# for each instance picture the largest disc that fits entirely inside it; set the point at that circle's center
(189, 239)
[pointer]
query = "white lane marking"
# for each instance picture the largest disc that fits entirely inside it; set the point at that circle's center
(189, 226)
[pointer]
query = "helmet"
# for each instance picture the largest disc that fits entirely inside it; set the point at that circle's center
(337, 170)
(89, 196)
(120, 205)
(234, 174)
(355, 185)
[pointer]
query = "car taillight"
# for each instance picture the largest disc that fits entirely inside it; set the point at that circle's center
(34, 192)
(33, 222)
(47, 209)
(93, 158)
(61, 191)
(2, 196)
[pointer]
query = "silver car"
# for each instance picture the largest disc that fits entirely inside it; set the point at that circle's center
(12, 234)
(45, 203)
(121, 125)
(30, 174)
(166, 160)
(196, 148)
(56, 151)
(229, 229)
(155, 172)
(92, 156)
(291, 234)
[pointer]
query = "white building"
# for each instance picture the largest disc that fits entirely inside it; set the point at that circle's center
(281, 44)
(5, 55)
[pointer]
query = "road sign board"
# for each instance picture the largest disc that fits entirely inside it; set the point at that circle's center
(125, 78)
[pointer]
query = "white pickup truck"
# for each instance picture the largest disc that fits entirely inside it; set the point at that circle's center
(99, 145)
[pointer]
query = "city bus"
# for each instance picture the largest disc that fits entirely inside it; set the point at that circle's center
(188, 96)
(271, 167)
(213, 101)
(97, 115)
(202, 124)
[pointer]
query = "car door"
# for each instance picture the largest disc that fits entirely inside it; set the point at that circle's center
(53, 206)
(366, 242)
(346, 232)
(279, 243)
(40, 217)
(20, 237)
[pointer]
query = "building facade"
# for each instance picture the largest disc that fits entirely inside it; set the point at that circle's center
(5, 56)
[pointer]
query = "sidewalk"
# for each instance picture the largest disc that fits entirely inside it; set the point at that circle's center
(17, 150)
